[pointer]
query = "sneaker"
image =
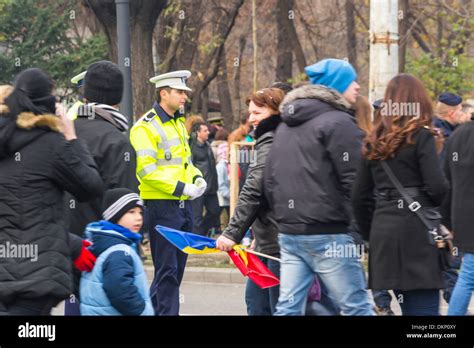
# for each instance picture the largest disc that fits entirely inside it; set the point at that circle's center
(383, 311)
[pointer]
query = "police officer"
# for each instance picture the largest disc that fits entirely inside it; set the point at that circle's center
(78, 81)
(168, 180)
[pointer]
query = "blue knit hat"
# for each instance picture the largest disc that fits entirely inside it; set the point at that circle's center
(333, 73)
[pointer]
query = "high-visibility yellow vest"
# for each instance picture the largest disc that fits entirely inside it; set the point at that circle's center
(164, 162)
(72, 112)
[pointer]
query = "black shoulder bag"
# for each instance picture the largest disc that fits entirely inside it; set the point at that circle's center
(438, 234)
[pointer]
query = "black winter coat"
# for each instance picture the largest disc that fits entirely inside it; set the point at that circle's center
(38, 165)
(203, 159)
(400, 255)
(116, 162)
(313, 161)
(252, 207)
(459, 170)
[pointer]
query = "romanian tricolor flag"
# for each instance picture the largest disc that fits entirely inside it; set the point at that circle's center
(249, 264)
(189, 243)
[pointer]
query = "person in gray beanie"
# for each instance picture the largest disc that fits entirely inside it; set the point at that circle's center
(102, 127)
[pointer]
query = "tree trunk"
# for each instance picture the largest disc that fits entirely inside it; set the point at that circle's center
(351, 34)
(223, 89)
(208, 66)
(296, 44)
(403, 25)
(284, 46)
(143, 16)
(205, 102)
(237, 100)
(105, 12)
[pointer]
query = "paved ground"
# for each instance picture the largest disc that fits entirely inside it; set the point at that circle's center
(205, 299)
(217, 291)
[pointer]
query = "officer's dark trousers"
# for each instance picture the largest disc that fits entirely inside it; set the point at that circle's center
(202, 224)
(168, 260)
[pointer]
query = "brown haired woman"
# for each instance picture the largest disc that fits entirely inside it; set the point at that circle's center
(400, 256)
(252, 209)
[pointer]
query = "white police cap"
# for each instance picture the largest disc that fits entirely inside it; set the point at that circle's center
(79, 79)
(174, 79)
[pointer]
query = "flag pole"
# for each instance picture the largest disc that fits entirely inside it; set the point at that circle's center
(263, 255)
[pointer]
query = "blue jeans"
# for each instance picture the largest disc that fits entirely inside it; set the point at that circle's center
(450, 277)
(303, 256)
(262, 301)
(418, 302)
(464, 286)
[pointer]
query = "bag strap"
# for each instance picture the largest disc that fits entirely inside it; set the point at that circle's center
(413, 205)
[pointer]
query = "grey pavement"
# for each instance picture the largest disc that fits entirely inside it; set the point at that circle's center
(221, 291)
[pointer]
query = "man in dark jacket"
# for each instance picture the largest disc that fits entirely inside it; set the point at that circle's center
(309, 179)
(457, 211)
(101, 126)
(449, 116)
(203, 159)
(38, 164)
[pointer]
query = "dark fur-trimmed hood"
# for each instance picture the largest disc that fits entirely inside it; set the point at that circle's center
(309, 101)
(28, 120)
(16, 134)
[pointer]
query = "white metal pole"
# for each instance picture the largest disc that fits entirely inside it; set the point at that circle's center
(383, 45)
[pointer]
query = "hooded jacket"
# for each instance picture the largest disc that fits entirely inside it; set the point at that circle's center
(37, 166)
(118, 283)
(313, 161)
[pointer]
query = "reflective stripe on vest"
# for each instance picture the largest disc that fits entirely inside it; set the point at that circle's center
(160, 162)
(172, 161)
(164, 139)
(151, 153)
(147, 170)
(168, 143)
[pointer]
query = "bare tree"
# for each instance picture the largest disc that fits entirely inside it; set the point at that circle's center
(236, 78)
(403, 34)
(177, 34)
(208, 63)
(143, 16)
(351, 34)
(284, 46)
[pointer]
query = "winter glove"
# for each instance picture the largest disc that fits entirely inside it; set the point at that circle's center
(86, 260)
(195, 190)
(202, 185)
(191, 190)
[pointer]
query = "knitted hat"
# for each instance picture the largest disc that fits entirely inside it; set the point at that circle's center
(103, 83)
(117, 202)
(32, 93)
(333, 73)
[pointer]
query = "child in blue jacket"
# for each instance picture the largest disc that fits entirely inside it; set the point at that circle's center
(118, 284)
